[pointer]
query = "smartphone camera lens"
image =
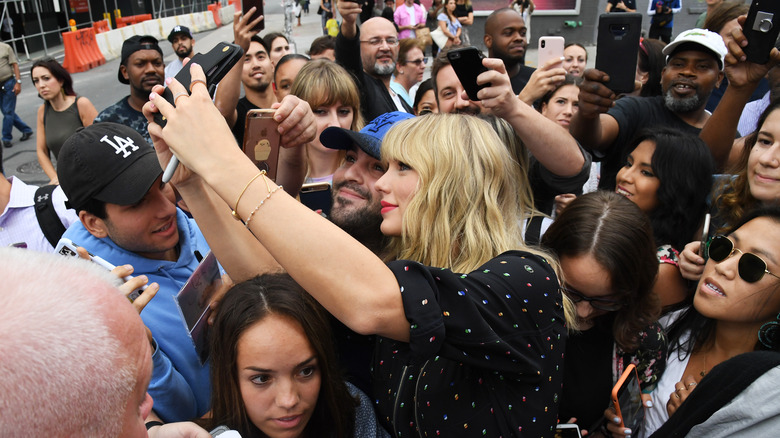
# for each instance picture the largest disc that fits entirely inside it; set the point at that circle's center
(544, 43)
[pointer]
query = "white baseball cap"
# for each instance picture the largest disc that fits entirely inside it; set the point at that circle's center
(708, 40)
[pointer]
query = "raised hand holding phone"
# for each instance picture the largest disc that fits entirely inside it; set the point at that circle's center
(627, 400)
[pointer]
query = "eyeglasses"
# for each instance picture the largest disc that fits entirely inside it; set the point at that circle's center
(376, 41)
(417, 62)
(750, 267)
(597, 303)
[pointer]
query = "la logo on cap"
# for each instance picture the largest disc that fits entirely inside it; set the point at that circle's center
(124, 146)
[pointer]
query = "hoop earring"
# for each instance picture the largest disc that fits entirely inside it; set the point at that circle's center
(768, 334)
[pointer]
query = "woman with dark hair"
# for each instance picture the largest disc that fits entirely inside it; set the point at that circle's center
(668, 175)
(650, 62)
(278, 46)
(607, 255)
(425, 99)
(755, 184)
(61, 114)
(561, 103)
(735, 310)
(274, 370)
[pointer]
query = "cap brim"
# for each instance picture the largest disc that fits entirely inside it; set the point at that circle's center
(130, 186)
(170, 37)
(340, 138)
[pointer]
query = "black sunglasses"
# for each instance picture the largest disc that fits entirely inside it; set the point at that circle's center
(597, 303)
(750, 267)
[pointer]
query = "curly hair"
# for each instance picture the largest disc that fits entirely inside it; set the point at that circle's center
(617, 234)
(734, 198)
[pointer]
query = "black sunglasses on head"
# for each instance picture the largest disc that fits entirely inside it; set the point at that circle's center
(597, 303)
(750, 267)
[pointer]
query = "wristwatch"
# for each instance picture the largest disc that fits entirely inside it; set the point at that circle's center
(18, 81)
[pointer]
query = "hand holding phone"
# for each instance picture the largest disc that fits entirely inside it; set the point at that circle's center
(761, 29)
(246, 5)
(262, 140)
(618, 45)
(550, 47)
(627, 400)
(467, 63)
(216, 63)
(66, 247)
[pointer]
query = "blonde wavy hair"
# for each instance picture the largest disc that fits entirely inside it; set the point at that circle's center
(467, 206)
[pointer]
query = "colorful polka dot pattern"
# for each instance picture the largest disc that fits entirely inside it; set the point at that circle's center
(485, 355)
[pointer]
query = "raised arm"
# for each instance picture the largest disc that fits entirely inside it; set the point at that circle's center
(552, 145)
(229, 89)
(743, 76)
(339, 272)
(591, 126)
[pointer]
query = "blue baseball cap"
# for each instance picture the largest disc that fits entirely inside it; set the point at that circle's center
(369, 139)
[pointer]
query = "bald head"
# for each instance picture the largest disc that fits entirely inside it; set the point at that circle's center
(65, 316)
(378, 59)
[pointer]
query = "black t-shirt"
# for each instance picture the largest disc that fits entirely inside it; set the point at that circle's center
(519, 80)
(546, 186)
(632, 115)
(462, 10)
(243, 107)
(587, 375)
(631, 4)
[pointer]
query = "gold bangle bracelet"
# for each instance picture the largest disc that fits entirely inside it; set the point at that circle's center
(235, 209)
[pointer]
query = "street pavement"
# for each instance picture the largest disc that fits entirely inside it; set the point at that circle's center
(101, 87)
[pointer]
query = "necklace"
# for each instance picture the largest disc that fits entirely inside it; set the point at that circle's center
(704, 369)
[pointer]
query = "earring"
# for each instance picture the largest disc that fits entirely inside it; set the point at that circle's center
(768, 333)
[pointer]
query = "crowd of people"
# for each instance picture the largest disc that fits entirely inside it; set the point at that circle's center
(485, 267)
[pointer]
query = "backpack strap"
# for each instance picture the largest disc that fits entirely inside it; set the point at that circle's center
(48, 219)
(533, 230)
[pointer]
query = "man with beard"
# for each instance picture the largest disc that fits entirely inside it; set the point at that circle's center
(356, 210)
(694, 67)
(182, 42)
(371, 57)
(142, 68)
(505, 39)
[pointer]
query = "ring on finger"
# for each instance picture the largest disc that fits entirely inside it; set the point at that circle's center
(691, 385)
(178, 95)
(677, 396)
(195, 81)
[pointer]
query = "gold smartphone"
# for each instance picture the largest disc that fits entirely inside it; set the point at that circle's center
(261, 140)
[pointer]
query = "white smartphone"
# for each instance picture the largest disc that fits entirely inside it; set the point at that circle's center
(566, 430)
(67, 247)
(550, 47)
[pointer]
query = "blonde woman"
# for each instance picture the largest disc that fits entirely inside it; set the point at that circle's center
(471, 323)
(335, 101)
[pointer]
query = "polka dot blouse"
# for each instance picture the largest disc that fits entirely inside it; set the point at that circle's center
(485, 353)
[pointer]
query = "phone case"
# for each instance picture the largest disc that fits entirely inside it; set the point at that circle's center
(761, 29)
(467, 63)
(619, 34)
(550, 47)
(317, 196)
(216, 63)
(628, 404)
(261, 140)
(247, 5)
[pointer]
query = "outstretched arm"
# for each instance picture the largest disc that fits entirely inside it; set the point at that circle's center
(343, 275)
(552, 145)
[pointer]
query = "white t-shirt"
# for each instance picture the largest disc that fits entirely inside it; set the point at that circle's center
(656, 416)
(412, 18)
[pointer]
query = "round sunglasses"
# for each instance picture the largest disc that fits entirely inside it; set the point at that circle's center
(597, 303)
(750, 267)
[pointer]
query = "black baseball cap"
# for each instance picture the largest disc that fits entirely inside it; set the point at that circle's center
(134, 44)
(369, 139)
(108, 162)
(184, 30)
